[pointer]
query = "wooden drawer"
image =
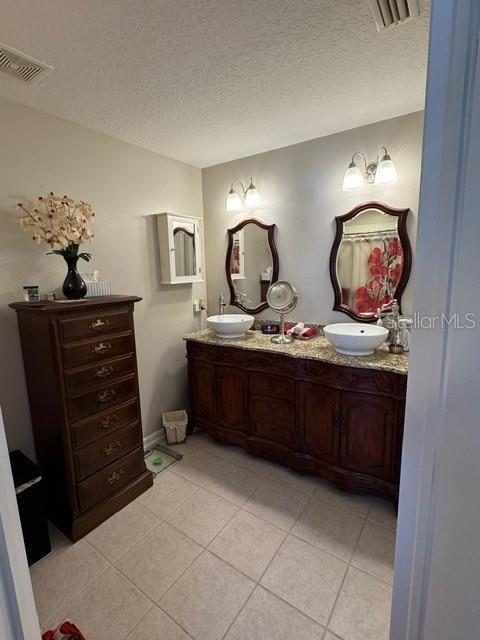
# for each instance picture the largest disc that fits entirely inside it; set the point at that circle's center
(268, 385)
(93, 401)
(81, 378)
(273, 420)
(103, 423)
(342, 377)
(109, 480)
(77, 353)
(203, 351)
(97, 323)
(107, 450)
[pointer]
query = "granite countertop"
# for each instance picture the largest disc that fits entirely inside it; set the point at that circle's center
(315, 349)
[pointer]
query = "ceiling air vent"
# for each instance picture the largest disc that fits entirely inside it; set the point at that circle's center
(388, 13)
(21, 66)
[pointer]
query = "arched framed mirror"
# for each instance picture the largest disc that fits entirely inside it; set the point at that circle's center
(251, 264)
(371, 259)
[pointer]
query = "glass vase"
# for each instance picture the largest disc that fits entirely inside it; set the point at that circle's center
(74, 286)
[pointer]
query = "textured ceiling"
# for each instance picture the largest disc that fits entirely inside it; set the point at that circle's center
(206, 81)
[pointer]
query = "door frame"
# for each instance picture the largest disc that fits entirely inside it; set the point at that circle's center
(436, 382)
(18, 614)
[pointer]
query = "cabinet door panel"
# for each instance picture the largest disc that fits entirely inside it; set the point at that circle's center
(273, 420)
(367, 431)
(268, 385)
(319, 421)
(232, 385)
(201, 376)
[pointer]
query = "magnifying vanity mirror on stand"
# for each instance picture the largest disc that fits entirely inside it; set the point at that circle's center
(251, 264)
(282, 297)
(370, 260)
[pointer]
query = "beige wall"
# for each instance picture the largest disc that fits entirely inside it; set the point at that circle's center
(126, 185)
(301, 189)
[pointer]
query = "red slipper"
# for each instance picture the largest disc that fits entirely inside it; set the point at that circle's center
(65, 631)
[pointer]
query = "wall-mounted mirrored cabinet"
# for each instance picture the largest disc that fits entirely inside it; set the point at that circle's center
(370, 260)
(251, 264)
(180, 242)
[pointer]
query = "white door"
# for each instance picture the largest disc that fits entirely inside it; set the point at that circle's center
(437, 567)
(18, 615)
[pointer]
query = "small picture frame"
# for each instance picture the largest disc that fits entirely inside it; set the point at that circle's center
(31, 293)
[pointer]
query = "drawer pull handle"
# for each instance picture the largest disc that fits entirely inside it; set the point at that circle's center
(101, 348)
(115, 476)
(111, 448)
(98, 324)
(109, 421)
(103, 372)
(107, 396)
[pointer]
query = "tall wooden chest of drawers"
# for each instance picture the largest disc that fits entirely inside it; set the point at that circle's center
(81, 370)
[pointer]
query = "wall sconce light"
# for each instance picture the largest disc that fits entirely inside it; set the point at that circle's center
(248, 199)
(382, 171)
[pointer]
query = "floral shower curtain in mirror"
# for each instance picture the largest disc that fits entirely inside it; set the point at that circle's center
(369, 269)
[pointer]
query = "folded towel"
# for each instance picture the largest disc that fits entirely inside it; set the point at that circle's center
(297, 330)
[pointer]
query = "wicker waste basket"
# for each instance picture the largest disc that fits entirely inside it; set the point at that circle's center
(175, 425)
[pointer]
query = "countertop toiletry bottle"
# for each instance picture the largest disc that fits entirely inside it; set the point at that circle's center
(395, 341)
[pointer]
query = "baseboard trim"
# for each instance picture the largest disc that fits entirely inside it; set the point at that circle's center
(152, 438)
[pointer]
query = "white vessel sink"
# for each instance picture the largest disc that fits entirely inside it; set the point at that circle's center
(230, 325)
(355, 339)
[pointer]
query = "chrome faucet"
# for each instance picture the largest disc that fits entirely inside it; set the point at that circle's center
(391, 313)
(241, 296)
(387, 310)
(221, 304)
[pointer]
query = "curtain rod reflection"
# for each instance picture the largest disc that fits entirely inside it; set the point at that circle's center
(370, 234)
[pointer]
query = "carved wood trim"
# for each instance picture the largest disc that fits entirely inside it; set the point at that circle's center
(333, 375)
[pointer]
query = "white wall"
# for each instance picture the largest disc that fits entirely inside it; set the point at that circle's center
(301, 189)
(126, 185)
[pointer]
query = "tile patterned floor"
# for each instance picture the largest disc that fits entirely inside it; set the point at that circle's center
(227, 546)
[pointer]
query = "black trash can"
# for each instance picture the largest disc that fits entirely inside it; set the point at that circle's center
(31, 505)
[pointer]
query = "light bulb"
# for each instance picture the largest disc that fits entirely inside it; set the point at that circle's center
(252, 197)
(353, 178)
(386, 171)
(234, 202)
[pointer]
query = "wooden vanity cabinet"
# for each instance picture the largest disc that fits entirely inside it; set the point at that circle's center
(82, 379)
(342, 423)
